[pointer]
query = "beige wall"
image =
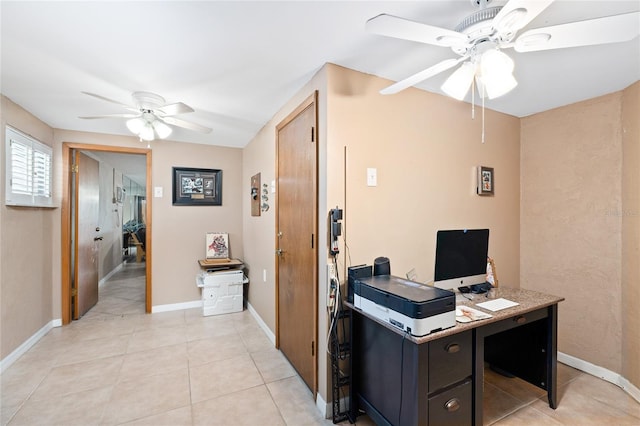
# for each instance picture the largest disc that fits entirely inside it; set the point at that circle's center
(26, 239)
(631, 234)
(571, 223)
(425, 148)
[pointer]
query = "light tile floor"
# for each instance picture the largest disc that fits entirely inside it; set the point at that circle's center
(119, 366)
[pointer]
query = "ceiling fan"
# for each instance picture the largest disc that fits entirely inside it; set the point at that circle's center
(479, 41)
(151, 116)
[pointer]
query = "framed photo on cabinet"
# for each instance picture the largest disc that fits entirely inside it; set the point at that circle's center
(217, 245)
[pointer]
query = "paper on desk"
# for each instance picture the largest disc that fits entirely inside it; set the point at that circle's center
(467, 314)
(497, 304)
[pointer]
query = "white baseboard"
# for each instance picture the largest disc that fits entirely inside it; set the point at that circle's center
(110, 274)
(176, 306)
(322, 406)
(600, 372)
(27, 344)
(263, 325)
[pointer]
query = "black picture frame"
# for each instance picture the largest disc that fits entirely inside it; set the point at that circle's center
(197, 187)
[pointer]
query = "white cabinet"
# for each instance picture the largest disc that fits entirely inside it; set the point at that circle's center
(222, 291)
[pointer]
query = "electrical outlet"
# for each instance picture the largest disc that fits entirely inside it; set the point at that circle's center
(331, 271)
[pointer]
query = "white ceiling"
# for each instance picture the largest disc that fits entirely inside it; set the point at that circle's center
(236, 63)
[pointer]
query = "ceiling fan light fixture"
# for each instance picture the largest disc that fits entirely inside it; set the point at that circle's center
(496, 74)
(135, 125)
(161, 129)
(458, 84)
(498, 85)
(494, 61)
(147, 133)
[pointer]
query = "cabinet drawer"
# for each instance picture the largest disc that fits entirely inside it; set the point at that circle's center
(452, 407)
(450, 360)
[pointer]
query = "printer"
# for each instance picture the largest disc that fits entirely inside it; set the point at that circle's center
(410, 306)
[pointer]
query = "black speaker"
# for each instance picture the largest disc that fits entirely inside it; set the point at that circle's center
(381, 266)
(354, 273)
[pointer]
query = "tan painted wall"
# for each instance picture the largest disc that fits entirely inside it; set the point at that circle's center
(425, 148)
(571, 222)
(26, 241)
(631, 234)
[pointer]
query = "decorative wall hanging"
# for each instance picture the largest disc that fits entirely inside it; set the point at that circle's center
(486, 181)
(255, 195)
(265, 198)
(197, 187)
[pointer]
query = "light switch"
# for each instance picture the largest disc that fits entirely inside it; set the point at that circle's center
(372, 177)
(157, 192)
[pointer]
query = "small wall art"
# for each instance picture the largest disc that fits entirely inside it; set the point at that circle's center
(255, 195)
(217, 245)
(197, 187)
(486, 181)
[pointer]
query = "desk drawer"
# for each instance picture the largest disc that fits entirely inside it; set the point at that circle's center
(452, 407)
(450, 360)
(516, 321)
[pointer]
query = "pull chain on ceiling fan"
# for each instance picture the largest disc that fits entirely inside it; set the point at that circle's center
(151, 116)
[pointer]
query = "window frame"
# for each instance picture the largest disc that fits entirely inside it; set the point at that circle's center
(36, 187)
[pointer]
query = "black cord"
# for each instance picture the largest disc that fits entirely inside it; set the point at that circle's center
(401, 374)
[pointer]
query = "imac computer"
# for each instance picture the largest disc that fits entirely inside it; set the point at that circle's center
(461, 258)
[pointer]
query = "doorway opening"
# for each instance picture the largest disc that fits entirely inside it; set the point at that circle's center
(130, 197)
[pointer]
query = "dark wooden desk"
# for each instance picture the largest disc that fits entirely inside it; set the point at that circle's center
(399, 379)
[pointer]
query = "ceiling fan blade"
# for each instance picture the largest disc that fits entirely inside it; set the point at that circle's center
(129, 107)
(186, 124)
(610, 29)
(393, 26)
(111, 116)
(175, 109)
(516, 14)
(422, 75)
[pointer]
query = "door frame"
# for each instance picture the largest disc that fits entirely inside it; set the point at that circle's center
(310, 100)
(65, 234)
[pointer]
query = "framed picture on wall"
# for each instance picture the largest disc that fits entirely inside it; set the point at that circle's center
(486, 181)
(197, 187)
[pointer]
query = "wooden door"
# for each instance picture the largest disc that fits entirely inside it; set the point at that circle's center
(87, 234)
(297, 240)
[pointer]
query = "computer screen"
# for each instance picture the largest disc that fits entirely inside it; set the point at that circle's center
(461, 258)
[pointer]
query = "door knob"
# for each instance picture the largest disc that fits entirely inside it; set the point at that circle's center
(97, 239)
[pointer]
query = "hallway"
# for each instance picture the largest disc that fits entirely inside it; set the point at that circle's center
(122, 294)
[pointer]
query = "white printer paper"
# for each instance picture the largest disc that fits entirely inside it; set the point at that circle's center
(497, 304)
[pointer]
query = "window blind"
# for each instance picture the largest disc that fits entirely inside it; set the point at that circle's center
(29, 162)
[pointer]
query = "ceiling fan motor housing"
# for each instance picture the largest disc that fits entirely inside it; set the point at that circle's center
(478, 27)
(147, 101)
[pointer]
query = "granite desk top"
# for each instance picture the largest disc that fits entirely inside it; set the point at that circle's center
(528, 301)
